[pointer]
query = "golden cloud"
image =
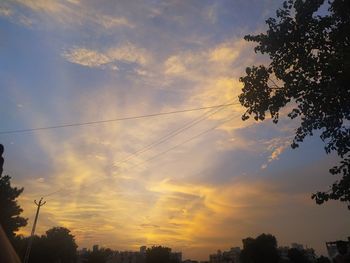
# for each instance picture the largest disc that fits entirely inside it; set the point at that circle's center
(49, 6)
(91, 58)
(72, 12)
(86, 57)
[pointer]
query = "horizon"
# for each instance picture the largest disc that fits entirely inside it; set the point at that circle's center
(195, 181)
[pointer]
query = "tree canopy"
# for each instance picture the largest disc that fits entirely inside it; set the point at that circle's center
(61, 244)
(298, 256)
(10, 211)
(159, 254)
(323, 259)
(57, 245)
(309, 71)
(98, 256)
(262, 249)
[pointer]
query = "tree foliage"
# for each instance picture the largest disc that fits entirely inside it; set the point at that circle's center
(159, 254)
(99, 256)
(61, 245)
(323, 259)
(10, 211)
(262, 249)
(57, 245)
(298, 256)
(310, 71)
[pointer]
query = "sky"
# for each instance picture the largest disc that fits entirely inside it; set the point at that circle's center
(197, 181)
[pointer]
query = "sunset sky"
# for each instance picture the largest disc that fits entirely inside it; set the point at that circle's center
(214, 181)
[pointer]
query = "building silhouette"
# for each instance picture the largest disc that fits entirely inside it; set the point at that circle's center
(231, 256)
(138, 256)
(333, 247)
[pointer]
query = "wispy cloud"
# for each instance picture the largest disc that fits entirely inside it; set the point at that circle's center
(5, 11)
(66, 13)
(110, 21)
(211, 76)
(276, 146)
(86, 57)
(210, 13)
(129, 53)
(48, 6)
(110, 58)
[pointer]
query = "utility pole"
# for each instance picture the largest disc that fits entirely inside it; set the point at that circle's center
(29, 247)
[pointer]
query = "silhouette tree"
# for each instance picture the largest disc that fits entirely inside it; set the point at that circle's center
(10, 211)
(60, 244)
(159, 254)
(38, 253)
(309, 71)
(57, 245)
(262, 249)
(323, 259)
(298, 256)
(343, 255)
(99, 255)
(96, 257)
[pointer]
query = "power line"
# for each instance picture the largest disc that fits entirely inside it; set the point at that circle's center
(171, 135)
(153, 157)
(164, 138)
(110, 120)
(188, 140)
(30, 242)
(161, 140)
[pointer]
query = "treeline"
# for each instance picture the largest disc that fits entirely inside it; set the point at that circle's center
(263, 249)
(56, 245)
(154, 254)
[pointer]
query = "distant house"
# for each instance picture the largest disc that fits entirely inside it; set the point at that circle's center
(231, 256)
(82, 255)
(334, 246)
(176, 256)
(137, 256)
(128, 256)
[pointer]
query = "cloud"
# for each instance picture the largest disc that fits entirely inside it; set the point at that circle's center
(128, 53)
(276, 146)
(144, 204)
(47, 6)
(75, 2)
(174, 66)
(40, 180)
(277, 152)
(86, 57)
(11, 13)
(208, 72)
(110, 21)
(225, 54)
(67, 13)
(156, 202)
(5, 11)
(210, 13)
(264, 166)
(206, 63)
(211, 77)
